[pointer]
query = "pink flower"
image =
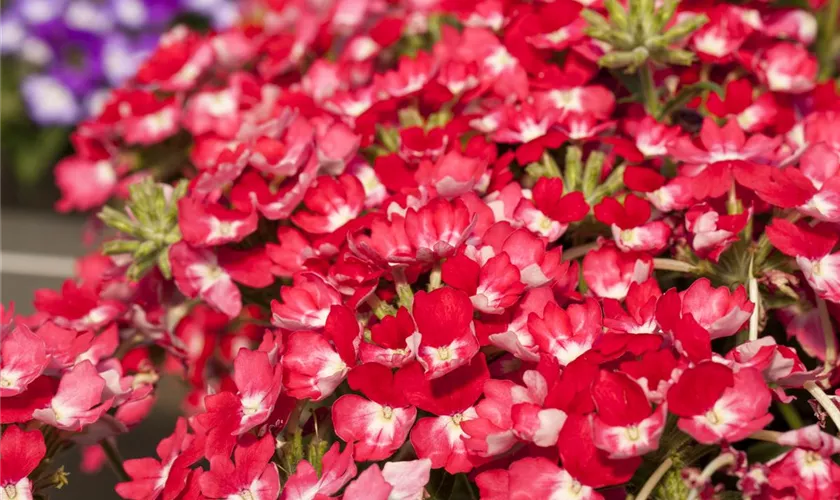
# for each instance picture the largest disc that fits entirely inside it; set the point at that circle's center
(205, 225)
(786, 67)
(452, 175)
(79, 400)
(610, 273)
(338, 468)
(24, 359)
(211, 276)
(305, 305)
(85, 183)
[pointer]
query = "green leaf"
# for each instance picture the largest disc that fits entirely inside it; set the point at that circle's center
(688, 93)
(36, 156)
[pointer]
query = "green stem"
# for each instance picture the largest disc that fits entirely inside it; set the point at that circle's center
(468, 486)
(380, 308)
(828, 334)
(664, 264)
(826, 48)
(115, 460)
(294, 418)
(579, 251)
(404, 292)
(790, 415)
(550, 165)
(649, 94)
(767, 436)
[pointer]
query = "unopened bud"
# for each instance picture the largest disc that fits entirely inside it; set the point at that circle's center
(574, 168)
(617, 59)
(665, 13)
(595, 20)
(439, 119)
(389, 137)
(613, 183)
(684, 28)
(117, 247)
(679, 57)
(592, 172)
(618, 16)
(410, 117)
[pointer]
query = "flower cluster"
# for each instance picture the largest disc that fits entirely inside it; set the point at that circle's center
(81, 48)
(405, 250)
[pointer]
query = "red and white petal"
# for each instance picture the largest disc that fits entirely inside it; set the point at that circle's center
(377, 430)
(630, 441)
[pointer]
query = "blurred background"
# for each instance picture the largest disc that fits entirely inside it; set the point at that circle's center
(59, 58)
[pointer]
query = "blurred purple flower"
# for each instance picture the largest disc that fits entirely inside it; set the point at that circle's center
(34, 12)
(84, 47)
(13, 33)
(92, 16)
(122, 55)
(77, 56)
(49, 101)
(144, 14)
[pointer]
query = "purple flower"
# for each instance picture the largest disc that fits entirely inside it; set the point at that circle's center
(84, 47)
(13, 33)
(34, 12)
(122, 55)
(77, 56)
(49, 101)
(89, 15)
(145, 14)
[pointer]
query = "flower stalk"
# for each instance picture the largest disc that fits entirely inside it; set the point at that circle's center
(828, 334)
(654, 479)
(114, 459)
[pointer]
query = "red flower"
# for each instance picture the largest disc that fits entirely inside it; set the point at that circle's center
(451, 398)
(152, 478)
(378, 426)
(20, 453)
(251, 474)
(630, 227)
(566, 335)
(723, 150)
(332, 203)
(729, 409)
(445, 338)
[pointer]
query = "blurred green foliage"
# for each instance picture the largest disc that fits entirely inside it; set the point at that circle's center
(28, 149)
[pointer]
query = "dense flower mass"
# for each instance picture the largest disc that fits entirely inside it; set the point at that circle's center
(81, 48)
(442, 249)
